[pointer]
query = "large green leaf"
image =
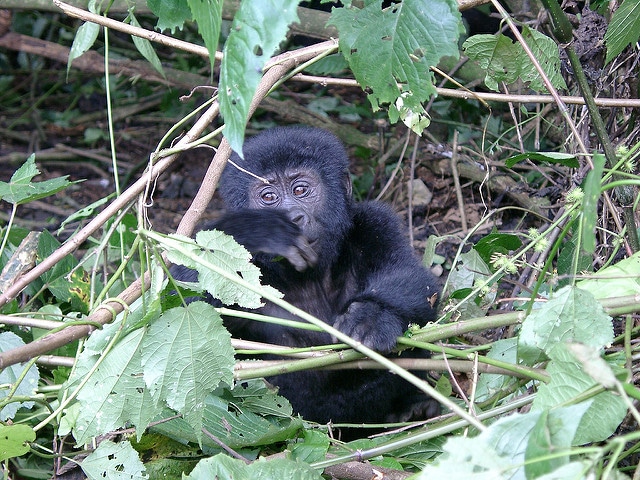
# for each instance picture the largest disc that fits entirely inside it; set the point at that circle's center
(116, 393)
(223, 266)
(186, 354)
(11, 374)
(223, 467)
(391, 50)
(572, 315)
(114, 461)
(569, 380)
(171, 13)
(624, 28)
(618, 280)
(22, 189)
(502, 451)
(505, 61)
(258, 28)
(15, 440)
(250, 414)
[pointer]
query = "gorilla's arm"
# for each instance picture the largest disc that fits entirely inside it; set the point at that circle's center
(267, 231)
(393, 290)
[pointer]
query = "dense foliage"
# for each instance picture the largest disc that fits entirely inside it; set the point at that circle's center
(535, 351)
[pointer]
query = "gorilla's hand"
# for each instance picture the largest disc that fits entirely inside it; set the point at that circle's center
(370, 324)
(268, 231)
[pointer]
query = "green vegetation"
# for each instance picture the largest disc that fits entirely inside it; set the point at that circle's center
(535, 353)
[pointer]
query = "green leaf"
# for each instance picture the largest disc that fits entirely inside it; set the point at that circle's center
(114, 461)
(116, 393)
(566, 159)
(21, 189)
(250, 414)
(143, 45)
(84, 212)
(398, 45)
(10, 375)
(496, 243)
(552, 433)
(470, 272)
(85, 38)
(208, 15)
(222, 265)
(545, 50)
(571, 261)
(497, 55)
(572, 315)
(258, 28)
(624, 28)
(592, 192)
(568, 381)
(469, 459)
(313, 448)
(186, 354)
(490, 384)
(171, 13)
(223, 467)
(618, 280)
(14, 440)
(505, 61)
(68, 282)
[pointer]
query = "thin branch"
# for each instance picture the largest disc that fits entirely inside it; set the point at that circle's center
(486, 96)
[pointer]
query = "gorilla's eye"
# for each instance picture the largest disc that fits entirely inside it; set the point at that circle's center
(300, 190)
(269, 197)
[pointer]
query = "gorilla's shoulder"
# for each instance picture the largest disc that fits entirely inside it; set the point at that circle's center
(376, 216)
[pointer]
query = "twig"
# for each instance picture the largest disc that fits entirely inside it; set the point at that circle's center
(486, 96)
(131, 30)
(456, 182)
(224, 446)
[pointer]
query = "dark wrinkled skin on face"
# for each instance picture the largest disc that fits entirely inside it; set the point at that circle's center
(347, 263)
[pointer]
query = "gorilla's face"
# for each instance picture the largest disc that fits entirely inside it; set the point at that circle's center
(299, 193)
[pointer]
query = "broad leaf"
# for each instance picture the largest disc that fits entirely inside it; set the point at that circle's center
(505, 61)
(14, 440)
(223, 266)
(496, 242)
(171, 13)
(258, 28)
(223, 467)
(568, 381)
(391, 50)
(116, 393)
(10, 375)
(618, 280)
(624, 28)
(22, 189)
(186, 354)
(572, 315)
(114, 461)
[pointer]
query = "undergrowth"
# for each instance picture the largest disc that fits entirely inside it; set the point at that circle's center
(533, 356)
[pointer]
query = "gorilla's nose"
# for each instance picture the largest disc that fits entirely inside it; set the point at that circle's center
(298, 217)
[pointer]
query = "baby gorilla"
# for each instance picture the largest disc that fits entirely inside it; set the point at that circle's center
(347, 263)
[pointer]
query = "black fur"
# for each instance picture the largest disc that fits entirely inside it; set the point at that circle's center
(347, 263)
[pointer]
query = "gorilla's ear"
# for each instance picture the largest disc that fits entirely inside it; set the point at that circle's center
(348, 184)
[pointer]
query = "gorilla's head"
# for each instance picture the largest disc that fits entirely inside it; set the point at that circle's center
(308, 177)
